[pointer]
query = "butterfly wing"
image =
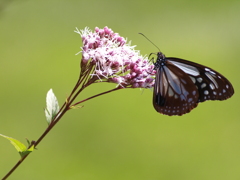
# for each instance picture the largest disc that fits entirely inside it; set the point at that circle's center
(174, 91)
(210, 83)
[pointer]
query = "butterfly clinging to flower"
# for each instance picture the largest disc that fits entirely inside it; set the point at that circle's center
(180, 85)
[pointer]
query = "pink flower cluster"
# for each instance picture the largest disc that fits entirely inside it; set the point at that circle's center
(114, 60)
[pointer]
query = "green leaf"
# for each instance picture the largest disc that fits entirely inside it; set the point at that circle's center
(24, 153)
(20, 147)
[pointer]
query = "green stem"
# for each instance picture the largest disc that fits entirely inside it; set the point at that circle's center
(97, 95)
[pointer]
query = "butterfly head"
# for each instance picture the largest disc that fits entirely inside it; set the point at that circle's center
(160, 60)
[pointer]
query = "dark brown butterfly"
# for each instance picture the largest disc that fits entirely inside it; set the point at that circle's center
(180, 85)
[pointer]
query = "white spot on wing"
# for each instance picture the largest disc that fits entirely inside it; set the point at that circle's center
(212, 86)
(206, 92)
(194, 92)
(190, 99)
(203, 85)
(199, 79)
(193, 79)
(170, 92)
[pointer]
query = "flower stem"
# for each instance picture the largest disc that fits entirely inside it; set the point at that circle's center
(117, 88)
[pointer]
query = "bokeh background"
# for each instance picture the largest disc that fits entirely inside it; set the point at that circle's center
(119, 135)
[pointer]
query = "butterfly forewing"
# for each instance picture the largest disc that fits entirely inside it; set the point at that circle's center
(181, 84)
(210, 83)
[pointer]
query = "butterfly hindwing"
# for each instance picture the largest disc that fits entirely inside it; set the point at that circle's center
(176, 94)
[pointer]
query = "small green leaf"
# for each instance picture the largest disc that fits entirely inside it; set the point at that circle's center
(24, 153)
(20, 147)
(52, 106)
(28, 142)
(17, 144)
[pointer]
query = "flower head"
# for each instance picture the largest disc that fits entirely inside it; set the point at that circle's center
(114, 60)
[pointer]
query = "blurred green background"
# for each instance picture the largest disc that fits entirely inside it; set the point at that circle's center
(119, 135)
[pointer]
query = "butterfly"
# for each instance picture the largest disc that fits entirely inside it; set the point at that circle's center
(180, 85)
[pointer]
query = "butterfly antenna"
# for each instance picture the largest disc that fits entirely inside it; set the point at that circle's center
(150, 41)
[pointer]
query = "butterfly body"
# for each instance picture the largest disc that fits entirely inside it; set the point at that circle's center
(180, 85)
